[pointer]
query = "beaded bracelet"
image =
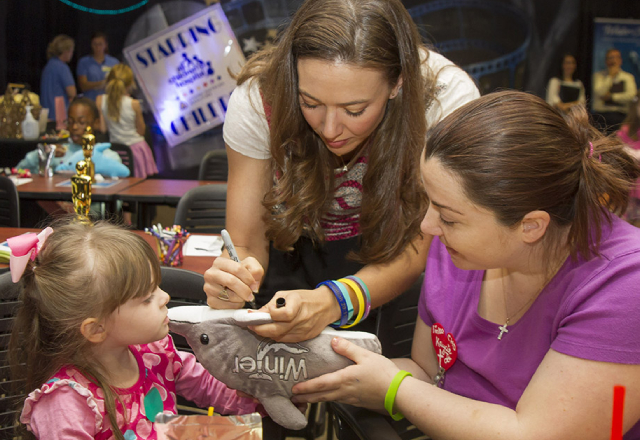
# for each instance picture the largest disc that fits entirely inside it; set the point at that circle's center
(342, 302)
(390, 397)
(360, 295)
(365, 289)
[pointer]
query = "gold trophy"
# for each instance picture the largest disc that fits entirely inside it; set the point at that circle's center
(81, 191)
(88, 143)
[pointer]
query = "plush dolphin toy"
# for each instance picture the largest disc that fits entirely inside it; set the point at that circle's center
(261, 367)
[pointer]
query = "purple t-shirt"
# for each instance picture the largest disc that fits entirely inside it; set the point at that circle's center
(589, 310)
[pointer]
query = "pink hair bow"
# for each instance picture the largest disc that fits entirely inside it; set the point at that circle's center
(25, 247)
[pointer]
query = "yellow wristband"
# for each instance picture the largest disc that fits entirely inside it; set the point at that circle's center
(360, 295)
(390, 398)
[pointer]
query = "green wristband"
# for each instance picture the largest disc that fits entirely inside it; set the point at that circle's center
(390, 398)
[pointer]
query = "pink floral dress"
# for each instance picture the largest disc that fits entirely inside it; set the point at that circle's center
(54, 411)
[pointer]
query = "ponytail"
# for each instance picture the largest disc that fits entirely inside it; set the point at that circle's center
(119, 82)
(528, 157)
(115, 91)
(607, 175)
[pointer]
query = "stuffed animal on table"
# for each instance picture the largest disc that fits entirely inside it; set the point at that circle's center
(261, 367)
(103, 165)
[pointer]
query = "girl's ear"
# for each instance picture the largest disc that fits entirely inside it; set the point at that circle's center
(93, 330)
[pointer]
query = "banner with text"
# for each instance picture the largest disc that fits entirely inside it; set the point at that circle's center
(621, 34)
(183, 73)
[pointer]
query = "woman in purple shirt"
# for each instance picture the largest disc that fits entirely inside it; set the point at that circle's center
(529, 310)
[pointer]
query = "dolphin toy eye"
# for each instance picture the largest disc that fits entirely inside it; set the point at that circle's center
(204, 339)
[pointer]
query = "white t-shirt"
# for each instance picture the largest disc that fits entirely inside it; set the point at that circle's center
(124, 130)
(246, 129)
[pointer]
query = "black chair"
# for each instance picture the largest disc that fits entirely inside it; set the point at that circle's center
(395, 325)
(214, 166)
(9, 203)
(185, 289)
(203, 209)
(9, 302)
(126, 156)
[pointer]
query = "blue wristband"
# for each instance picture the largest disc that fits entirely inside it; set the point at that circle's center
(344, 310)
(347, 298)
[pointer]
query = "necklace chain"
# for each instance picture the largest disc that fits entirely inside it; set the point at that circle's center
(503, 328)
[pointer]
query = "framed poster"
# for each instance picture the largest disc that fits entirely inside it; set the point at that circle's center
(183, 72)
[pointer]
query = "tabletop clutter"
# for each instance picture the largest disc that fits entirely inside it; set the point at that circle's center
(21, 116)
(170, 242)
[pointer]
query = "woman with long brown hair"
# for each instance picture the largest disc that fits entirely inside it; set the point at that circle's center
(529, 309)
(323, 137)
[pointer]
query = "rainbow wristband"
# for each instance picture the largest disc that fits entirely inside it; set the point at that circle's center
(390, 397)
(344, 310)
(360, 295)
(365, 289)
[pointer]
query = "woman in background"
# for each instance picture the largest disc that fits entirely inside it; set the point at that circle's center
(57, 79)
(566, 91)
(93, 69)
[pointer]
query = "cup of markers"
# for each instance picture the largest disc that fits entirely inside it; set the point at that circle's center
(169, 242)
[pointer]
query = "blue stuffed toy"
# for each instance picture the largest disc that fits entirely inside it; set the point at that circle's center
(103, 165)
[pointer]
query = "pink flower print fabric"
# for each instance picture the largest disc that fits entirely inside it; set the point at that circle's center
(159, 365)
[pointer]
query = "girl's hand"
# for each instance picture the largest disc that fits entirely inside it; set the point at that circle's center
(364, 384)
(240, 280)
(305, 314)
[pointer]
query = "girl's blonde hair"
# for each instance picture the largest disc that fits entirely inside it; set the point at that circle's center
(59, 45)
(82, 271)
(119, 83)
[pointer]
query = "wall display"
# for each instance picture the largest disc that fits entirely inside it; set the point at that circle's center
(183, 72)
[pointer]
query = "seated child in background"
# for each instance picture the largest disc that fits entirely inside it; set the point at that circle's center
(93, 333)
(629, 133)
(122, 116)
(82, 113)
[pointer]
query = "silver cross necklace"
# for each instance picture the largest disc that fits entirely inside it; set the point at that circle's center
(503, 328)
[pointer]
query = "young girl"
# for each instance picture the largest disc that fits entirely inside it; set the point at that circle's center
(122, 116)
(82, 113)
(91, 339)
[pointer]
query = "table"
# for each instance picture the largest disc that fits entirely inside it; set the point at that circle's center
(46, 188)
(158, 192)
(194, 264)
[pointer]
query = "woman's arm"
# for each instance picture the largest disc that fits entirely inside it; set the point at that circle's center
(249, 180)
(101, 123)
(71, 92)
(137, 109)
(553, 92)
(308, 312)
(567, 398)
(86, 85)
